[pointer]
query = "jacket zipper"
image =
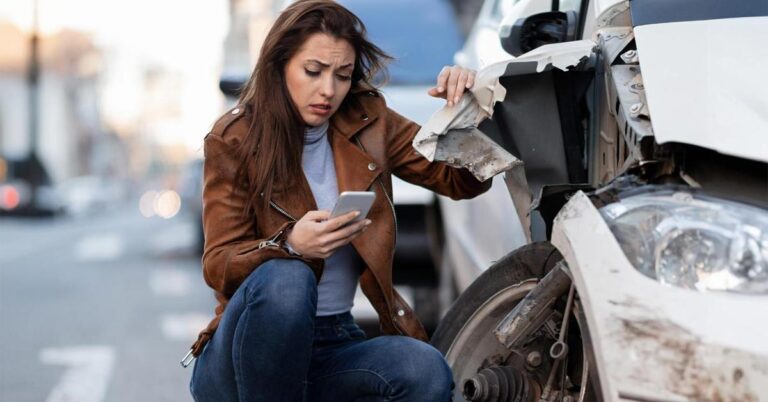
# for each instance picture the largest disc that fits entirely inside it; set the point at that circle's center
(282, 211)
(273, 241)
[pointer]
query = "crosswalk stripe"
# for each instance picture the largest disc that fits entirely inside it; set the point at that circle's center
(100, 247)
(88, 374)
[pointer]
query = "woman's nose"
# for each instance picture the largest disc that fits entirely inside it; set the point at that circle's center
(327, 87)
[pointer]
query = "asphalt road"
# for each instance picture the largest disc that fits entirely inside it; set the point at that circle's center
(98, 308)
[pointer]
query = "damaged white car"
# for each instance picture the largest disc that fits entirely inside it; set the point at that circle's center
(633, 137)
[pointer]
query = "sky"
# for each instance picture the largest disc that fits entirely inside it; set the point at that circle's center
(174, 35)
(171, 31)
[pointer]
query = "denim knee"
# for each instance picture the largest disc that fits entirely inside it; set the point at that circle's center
(425, 372)
(284, 285)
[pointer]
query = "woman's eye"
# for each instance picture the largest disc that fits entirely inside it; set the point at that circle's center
(344, 77)
(312, 73)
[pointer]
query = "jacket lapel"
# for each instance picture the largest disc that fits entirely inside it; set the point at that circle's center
(353, 165)
(355, 169)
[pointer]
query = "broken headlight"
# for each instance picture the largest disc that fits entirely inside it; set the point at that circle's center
(693, 242)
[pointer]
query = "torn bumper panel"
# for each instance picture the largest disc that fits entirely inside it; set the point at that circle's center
(452, 135)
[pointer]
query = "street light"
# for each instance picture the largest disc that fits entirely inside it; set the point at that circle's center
(33, 171)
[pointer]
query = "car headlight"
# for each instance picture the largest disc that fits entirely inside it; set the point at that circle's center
(693, 242)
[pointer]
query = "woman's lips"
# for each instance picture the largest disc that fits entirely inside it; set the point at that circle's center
(320, 109)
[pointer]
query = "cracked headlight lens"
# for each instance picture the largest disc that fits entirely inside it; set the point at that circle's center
(691, 242)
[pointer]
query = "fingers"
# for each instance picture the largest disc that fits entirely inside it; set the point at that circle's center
(346, 231)
(442, 81)
(314, 236)
(470, 79)
(316, 216)
(453, 81)
(461, 83)
(349, 233)
(333, 224)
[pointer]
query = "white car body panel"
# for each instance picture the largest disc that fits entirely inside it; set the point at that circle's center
(473, 245)
(704, 88)
(654, 342)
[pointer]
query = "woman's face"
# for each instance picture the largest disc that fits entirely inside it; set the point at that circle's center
(318, 77)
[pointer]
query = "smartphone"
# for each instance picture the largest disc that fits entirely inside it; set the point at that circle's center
(354, 201)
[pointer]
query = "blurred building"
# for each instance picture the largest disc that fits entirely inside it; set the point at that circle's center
(72, 140)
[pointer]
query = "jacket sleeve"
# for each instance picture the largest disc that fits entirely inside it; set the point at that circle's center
(232, 248)
(407, 164)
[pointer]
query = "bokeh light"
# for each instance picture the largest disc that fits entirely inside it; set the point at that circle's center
(167, 204)
(147, 203)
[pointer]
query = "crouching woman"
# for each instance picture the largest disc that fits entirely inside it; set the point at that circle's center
(309, 125)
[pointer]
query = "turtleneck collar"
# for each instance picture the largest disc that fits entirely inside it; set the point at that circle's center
(315, 134)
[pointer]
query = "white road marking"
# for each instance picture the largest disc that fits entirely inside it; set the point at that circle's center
(184, 327)
(177, 235)
(170, 282)
(89, 373)
(102, 247)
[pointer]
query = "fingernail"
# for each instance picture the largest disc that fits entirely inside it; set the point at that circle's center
(440, 89)
(456, 99)
(468, 86)
(357, 213)
(367, 222)
(450, 103)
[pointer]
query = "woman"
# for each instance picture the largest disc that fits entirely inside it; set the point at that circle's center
(309, 126)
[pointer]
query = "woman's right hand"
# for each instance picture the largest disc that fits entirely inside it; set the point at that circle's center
(316, 235)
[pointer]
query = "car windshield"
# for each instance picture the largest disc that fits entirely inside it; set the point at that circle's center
(422, 36)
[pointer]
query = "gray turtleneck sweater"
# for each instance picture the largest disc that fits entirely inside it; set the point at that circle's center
(336, 290)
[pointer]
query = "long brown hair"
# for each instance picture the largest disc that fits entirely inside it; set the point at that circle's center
(275, 139)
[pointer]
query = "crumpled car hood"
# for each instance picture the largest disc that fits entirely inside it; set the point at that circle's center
(705, 83)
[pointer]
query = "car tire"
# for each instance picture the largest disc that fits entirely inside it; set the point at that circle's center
(467, 328)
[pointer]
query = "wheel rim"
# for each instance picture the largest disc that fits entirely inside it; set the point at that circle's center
(475, 342)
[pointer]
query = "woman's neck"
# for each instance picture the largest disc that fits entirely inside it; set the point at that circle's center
(314, 134)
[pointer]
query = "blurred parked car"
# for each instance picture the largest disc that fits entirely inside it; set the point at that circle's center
(84, 195)
(25, 189)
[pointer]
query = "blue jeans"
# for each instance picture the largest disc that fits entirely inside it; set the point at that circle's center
(270, 347)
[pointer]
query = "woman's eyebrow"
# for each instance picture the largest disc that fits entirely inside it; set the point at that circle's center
(324, 65)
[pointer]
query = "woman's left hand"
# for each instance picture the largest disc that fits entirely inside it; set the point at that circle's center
(451, 83)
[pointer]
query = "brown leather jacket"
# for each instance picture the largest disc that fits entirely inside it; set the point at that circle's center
(370, 143)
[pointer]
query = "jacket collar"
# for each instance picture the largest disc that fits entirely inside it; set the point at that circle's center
(360, 113)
